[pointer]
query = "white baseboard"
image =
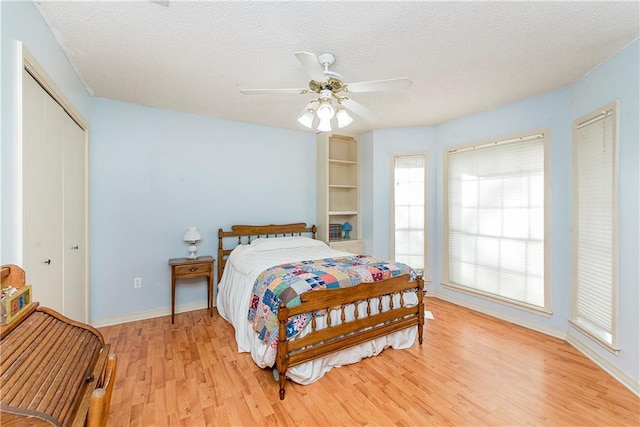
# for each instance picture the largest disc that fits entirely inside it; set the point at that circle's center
(149, 314)
(624, 379)
(539, 327)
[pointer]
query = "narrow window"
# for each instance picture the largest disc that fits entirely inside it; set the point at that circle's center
(495, 220)
(595, 234)
(409, 197)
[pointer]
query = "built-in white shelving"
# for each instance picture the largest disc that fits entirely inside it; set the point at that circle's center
(337, 190)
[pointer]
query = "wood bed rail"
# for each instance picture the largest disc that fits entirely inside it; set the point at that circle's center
(245, 233)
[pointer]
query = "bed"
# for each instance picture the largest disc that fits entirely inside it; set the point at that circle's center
(323, 328)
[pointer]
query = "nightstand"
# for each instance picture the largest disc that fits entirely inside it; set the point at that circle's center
(187, 268)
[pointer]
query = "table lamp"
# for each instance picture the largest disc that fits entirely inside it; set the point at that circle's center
(192, 236)
(346, 227)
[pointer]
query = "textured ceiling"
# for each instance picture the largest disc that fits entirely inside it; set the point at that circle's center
(463, 57)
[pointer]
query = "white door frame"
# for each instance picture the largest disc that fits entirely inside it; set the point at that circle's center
(32, 66)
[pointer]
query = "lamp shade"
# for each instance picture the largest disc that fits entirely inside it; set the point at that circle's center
(192, 235)
(306, 118)
(344, 119)
(324, 125)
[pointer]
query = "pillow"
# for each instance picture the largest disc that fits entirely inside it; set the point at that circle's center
(270, 243)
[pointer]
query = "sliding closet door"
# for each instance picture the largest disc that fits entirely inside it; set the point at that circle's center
(42, 193)
(73, 247)
(53, 203)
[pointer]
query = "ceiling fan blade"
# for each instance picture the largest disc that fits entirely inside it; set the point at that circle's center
(359, 109)
(310, 63)
(379, 85)
(273, 91)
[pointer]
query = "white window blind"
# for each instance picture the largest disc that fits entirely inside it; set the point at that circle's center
(409, 210)
(594, 205)
(496, 212)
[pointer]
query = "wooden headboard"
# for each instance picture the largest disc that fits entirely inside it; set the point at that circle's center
(244, 234)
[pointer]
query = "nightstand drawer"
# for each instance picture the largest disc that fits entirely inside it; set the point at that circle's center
(185, 270)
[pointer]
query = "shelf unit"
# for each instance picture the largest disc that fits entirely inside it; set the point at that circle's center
(337, 189)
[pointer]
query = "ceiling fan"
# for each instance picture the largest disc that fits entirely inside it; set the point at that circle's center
(331, 88)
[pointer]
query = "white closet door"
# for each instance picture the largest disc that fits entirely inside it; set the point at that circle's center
(54, 203)
(42, 194)
(75, 294)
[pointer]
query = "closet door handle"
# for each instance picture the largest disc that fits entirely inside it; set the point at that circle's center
(48, 262)
(74, 247)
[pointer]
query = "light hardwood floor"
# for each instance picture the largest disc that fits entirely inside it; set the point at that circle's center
(471, 370)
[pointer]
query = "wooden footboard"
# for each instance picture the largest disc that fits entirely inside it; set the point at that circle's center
(320, 342)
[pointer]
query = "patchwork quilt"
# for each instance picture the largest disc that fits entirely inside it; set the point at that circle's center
(287, 282)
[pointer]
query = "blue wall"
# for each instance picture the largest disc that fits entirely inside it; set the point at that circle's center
(549, 111)
(618, 78)
(22, 26)
(156, 172)
(379, 147)
(555, 111)
(143, 181)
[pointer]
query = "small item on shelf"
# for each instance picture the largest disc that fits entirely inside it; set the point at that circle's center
(346, 227)
(14, 301)
(335, 231)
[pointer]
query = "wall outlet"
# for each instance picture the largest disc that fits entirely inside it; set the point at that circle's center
(137, 282)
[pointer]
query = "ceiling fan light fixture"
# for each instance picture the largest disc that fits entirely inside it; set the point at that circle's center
(344, 119)
(324, 125)
(306, 118)
(329, 86)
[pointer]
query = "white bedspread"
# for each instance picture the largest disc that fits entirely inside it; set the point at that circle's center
(244, 265)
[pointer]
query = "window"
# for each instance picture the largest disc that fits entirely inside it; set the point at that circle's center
(495, 221)
(595, 234)
(409, 197)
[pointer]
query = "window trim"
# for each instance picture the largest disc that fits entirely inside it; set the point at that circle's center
(446, 282)
(392, 237)
(613, 347)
